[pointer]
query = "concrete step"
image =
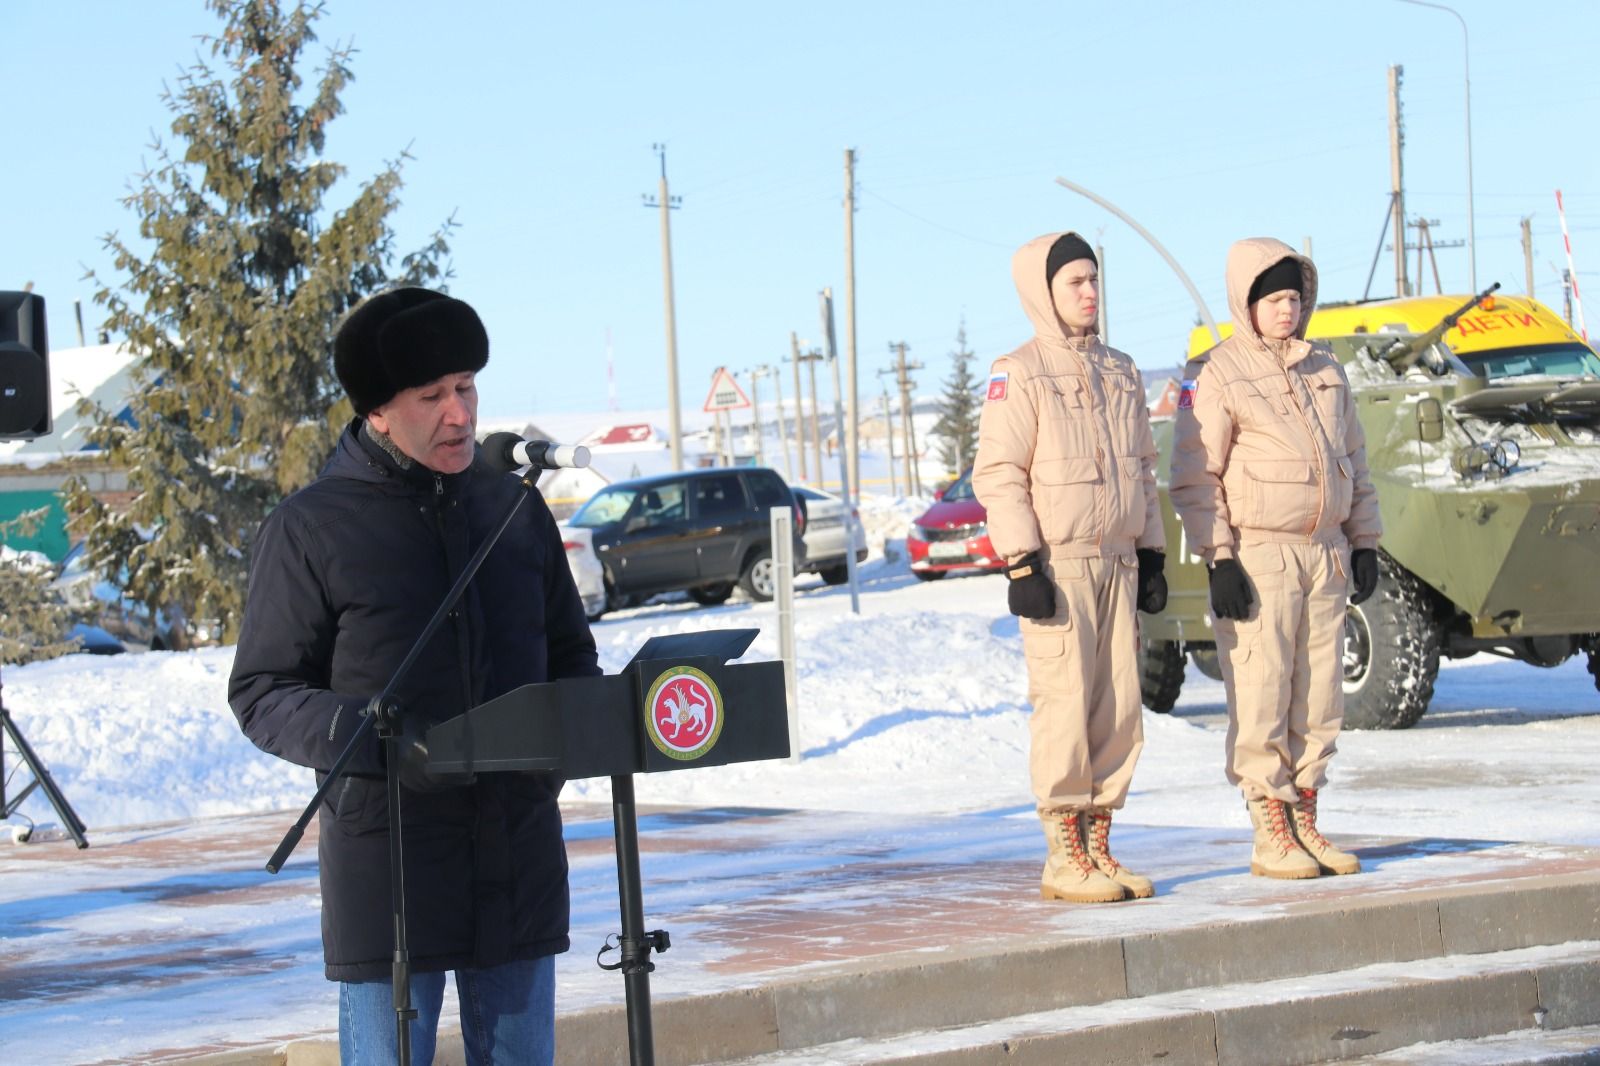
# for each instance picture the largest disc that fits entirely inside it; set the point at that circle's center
(1330, 1017)
(1138, 990)
(1579, 1046)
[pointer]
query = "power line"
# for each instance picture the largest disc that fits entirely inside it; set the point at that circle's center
(931, 222)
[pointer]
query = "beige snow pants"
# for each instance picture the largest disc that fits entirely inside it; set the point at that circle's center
(1083, 678)
(1282, 667)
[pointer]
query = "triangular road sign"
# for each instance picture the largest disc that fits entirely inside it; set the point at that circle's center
(725, 395)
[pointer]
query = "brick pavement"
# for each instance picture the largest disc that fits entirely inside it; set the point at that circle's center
(151, 916)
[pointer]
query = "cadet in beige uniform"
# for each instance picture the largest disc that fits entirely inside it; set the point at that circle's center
(1269, 474)
(1066, 470)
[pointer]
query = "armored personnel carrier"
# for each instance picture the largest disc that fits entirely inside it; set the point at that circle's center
(1483, 438)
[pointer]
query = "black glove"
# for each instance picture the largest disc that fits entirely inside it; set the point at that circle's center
(1364, 563)
(1029, 591)
(1152, 583)
(412, 745)
(1230, 591)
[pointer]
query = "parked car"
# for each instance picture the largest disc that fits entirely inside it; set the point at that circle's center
(953, 534)
(700, 531)
(587, 572)
(93, 640)
(826, 536)
(105, 606)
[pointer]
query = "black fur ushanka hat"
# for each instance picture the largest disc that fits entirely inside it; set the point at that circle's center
(403, 338)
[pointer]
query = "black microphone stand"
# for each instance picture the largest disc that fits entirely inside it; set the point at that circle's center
(382, 713)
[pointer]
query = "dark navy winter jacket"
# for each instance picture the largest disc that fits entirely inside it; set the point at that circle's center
(345, 574)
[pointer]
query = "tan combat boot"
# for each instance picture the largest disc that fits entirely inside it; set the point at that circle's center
(1276, 854)
(1097, 839)
(1330, 858)
(1069, 873)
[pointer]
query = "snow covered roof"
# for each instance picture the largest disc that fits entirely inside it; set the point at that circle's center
(102, 372)
(630, 434)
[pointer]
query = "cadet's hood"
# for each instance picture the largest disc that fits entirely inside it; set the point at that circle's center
(1248, 260)
(1027, 271)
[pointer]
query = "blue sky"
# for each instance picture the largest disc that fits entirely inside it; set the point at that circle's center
(533, 123)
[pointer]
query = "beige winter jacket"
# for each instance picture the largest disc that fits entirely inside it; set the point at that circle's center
(1065, 456)
(1268, 447)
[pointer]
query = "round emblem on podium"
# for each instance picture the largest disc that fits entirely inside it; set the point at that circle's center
(683, 713)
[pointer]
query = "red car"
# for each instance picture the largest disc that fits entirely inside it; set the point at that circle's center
(953, 534)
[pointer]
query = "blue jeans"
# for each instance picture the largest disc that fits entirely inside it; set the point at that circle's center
(508, 1015)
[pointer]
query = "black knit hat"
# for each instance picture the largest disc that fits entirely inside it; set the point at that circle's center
(1069, 247)
(1284, 274)
(403, 338)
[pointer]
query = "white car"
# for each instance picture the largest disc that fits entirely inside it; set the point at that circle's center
(587, 572)
(825, 535)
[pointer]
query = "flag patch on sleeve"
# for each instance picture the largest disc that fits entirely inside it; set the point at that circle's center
(1186, 393)
(997, 385)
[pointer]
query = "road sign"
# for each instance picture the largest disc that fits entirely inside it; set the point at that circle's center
(725, 395)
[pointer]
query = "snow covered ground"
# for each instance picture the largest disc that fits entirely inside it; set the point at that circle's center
(917, 705)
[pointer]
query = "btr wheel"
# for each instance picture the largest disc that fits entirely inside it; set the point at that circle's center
(1391, 652)
(930, 575)
(1205, 660)
(760, 577)
(1160, 673)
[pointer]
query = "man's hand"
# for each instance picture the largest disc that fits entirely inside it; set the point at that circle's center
(1029, 591)
(1230, 591)
(1152, 583)
(1364, 563)
(412, 745)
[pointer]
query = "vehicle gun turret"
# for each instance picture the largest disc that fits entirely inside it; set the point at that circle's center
(1403, 352)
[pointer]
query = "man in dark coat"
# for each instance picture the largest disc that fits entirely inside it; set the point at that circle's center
(345, 575)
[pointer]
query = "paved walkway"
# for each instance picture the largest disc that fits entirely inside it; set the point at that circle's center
(167, 940)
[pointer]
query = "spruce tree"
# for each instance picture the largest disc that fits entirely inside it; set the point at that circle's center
(958, 410)
(228, 302)
(34, 623)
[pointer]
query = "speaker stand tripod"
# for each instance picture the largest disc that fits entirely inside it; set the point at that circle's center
(41, 779)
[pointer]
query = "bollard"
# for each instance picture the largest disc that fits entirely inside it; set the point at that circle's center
(783, 596)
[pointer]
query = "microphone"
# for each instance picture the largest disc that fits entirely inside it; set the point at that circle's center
(507, 451)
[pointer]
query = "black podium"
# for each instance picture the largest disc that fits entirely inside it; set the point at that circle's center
(676, 706)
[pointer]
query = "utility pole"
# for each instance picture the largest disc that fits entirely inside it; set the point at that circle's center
(611, 376)
(1426, 244)
(902, 372)
(811, 359)
(767, 370)
(1527, 252)
(667, 203)
(799, 405)
(1397, 205)
(851, 514)
(755, 414)
(888, 435)
(852, 410)
(1100, 325)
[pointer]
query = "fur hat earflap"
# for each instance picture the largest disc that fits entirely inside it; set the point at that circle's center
(403, 338)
